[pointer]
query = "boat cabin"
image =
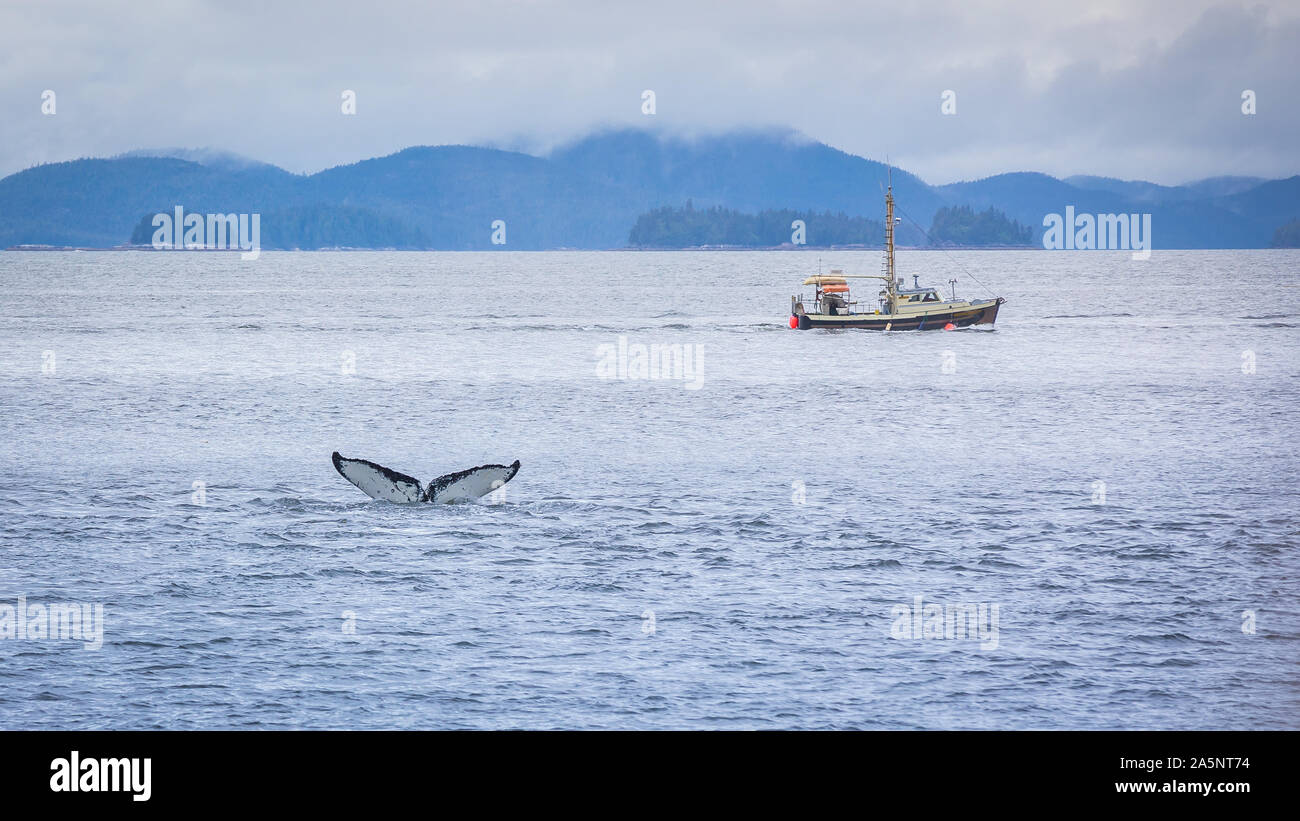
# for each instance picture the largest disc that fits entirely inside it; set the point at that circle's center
(919, 295)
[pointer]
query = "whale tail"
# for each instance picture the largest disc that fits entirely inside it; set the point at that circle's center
(379, 482)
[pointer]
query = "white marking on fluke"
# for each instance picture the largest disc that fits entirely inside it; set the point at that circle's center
(378, 482)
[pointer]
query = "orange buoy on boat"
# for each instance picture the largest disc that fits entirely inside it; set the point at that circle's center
(950, 327)
(794, 321)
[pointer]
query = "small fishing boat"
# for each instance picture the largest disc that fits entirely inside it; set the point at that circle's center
(897, 308)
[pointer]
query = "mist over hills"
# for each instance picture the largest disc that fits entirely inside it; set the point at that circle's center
(588, 194)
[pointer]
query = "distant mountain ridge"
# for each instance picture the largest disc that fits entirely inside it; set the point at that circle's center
(587, 194)
(211, 157)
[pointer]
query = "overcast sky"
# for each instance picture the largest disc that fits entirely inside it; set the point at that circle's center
(1125, 88)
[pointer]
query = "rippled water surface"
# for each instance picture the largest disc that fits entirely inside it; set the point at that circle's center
(1114, 468)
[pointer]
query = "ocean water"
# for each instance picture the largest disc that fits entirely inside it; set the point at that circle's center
(1109, 477)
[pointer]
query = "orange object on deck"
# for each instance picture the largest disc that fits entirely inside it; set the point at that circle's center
(835, 289)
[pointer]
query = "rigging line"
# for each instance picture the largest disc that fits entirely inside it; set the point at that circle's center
(945, 252)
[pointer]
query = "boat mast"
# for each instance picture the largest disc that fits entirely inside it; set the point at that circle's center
(891, 284)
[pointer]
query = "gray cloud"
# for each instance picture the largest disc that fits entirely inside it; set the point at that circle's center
(1148, 90)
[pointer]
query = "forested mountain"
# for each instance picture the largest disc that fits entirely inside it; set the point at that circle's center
(688, 227)
(962, 225)
(594, 193)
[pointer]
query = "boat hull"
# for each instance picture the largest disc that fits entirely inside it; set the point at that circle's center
(963, 318)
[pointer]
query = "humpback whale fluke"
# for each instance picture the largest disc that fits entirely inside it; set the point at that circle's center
(378, 482)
